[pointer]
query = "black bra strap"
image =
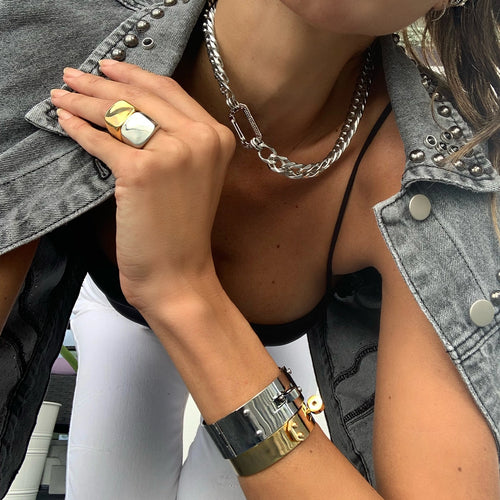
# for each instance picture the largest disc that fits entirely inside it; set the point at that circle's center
(348, 190)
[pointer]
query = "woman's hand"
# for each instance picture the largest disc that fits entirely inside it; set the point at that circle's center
(167, 193)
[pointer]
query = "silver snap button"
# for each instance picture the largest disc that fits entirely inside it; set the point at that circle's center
(426, 81)
(420, 207)
(157, 13)
(118, 54)
(417, 156)
(131, 40)
(430, 141)
(142, 26)
(476, 171)
(446, 136)
(495, 298)
(438, 158)
(456, 132)
(482, 312)
(444, 111)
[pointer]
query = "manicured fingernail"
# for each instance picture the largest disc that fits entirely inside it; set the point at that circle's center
(58, 92)
(72, 72)
(107, 62)
(63, 114)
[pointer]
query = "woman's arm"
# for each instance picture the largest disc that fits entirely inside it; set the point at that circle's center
(167, 195)
(430, 439)
(224, 365)
(13, 268)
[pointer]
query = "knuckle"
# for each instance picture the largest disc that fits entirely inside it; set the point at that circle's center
(205, 135)
(177, 150)
(93, 83)
(213, 140)
(137, 158)
(137, 167)
(79, 126)
(227, 138)
(136, 94)
(69, 99)
(169, 85)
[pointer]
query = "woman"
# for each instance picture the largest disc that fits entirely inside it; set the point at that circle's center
(206, 235)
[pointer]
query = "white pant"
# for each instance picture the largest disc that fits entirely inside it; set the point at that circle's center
(126, 428)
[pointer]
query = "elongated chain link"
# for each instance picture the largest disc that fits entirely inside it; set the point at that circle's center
(277, 163)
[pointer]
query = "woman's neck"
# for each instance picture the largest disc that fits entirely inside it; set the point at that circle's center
(296, 79)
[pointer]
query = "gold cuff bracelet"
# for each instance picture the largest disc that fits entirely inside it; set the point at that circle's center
(280, 443)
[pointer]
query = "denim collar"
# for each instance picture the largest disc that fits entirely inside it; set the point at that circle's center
(431, 130)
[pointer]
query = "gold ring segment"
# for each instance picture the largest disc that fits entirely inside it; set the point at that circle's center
(116, 116)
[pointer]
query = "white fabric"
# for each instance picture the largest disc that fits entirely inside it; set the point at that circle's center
(126, 427)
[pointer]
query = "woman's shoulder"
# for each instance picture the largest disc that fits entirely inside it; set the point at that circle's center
(439, 194)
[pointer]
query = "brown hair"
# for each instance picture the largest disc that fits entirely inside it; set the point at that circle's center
(466, 41)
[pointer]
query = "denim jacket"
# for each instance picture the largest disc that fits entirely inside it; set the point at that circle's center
(439, 227)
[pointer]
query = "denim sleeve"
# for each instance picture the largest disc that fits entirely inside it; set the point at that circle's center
(46, 179)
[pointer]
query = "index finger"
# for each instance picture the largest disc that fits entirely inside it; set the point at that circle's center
(166, 88)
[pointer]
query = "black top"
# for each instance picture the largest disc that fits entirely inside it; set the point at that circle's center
(106, 277)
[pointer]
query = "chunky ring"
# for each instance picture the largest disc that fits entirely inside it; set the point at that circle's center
(138, 129)
(128, 125)
(116, 116)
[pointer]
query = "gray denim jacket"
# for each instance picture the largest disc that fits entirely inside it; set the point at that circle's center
(439, 227)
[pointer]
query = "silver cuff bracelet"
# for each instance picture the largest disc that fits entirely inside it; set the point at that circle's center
(259, 418)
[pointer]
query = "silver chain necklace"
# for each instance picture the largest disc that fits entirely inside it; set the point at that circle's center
(277, 163)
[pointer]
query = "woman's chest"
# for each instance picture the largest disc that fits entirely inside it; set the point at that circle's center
(272, 236)
(270, 246)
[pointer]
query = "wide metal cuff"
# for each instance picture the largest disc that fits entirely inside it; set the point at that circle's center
(276, 446)
(257, 419)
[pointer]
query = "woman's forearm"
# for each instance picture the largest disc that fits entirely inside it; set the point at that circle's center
(225, 365)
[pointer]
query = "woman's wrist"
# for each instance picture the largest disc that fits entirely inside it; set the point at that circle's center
(168, 294)
(222, 361)
(187, 306)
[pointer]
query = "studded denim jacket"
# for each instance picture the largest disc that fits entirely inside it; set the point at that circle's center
(439, 227)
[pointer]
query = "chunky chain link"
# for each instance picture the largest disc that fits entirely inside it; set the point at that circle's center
(277, 163)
